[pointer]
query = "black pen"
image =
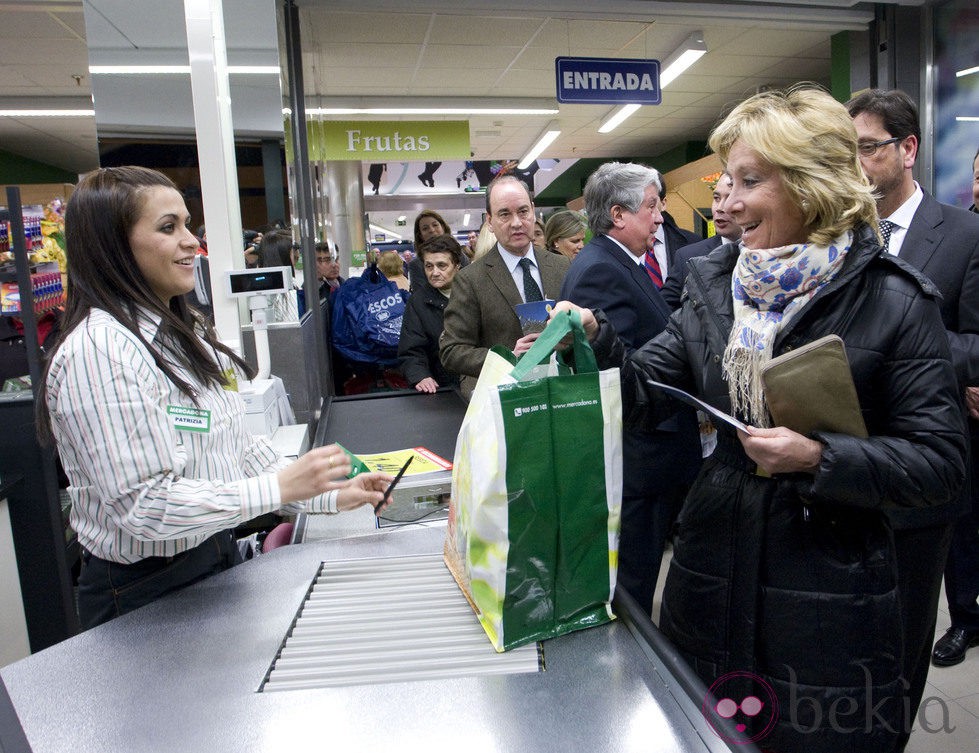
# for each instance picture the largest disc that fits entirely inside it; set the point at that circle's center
(394, 483)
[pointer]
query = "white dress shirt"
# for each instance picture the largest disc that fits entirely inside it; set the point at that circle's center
(152, 474)
(659, 251)
(901, 218)
(640, 260)
(512, 262)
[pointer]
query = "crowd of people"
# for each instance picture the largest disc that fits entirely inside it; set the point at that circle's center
(808, 560)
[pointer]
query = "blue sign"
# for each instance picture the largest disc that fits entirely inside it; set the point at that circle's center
(605, 81)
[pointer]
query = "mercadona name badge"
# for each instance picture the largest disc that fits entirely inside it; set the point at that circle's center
(189, 419)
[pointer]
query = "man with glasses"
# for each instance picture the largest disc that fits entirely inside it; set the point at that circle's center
(941, 241)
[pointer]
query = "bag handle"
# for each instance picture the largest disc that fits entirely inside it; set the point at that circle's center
(561, 324)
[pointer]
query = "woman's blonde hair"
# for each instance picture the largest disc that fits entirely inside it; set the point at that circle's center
(810, 138)
(391, 264)
(484, 242)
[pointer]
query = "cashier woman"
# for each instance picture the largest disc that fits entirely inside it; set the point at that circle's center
(142, 402)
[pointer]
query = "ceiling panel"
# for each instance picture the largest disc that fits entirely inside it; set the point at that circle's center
(439, 48)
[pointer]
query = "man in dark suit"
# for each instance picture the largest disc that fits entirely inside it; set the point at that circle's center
(943, 242)
(623, 205)
(669, 237)
(726, 230)
(481, 311)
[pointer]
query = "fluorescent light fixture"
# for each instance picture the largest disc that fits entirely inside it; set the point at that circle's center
(967, 72)
(967, 118)
(379, 229)
(427, 111)
(465, 219)
(688, 53)
(47, 113)
(551, 131)
(616, 120)
(179, 69)
(692, 49)
(346, 105)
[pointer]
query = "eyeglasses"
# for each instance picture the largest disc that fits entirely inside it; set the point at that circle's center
(869, 148)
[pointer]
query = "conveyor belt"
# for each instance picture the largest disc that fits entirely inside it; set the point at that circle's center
(390, 619)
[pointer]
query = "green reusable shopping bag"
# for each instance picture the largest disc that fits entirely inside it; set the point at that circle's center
(537, 491)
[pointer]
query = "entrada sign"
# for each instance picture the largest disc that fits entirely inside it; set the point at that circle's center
(384, 140)
(603, 81)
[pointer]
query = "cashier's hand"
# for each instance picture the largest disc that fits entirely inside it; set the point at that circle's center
(364, 489)
(427, 385)
(588, 320)
(524, 343)
(781, 450)
(319, 470)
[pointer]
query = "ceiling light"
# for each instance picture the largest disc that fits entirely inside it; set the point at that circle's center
(427, 111)
(465, 219)
(47, 113)
(688, 53)
(967, 118)
(379, 229)
(181, 69)
(343, 105)
(692, 49)
(551, 131)
(967, 72)
(621, 114)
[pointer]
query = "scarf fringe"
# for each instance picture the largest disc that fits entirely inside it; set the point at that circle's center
(743, 372)
(765, 308)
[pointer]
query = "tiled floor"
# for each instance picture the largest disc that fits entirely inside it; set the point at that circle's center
(948, 720)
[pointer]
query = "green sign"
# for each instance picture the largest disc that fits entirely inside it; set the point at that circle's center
(381, 141)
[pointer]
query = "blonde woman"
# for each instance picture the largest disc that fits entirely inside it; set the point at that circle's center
(783, 581)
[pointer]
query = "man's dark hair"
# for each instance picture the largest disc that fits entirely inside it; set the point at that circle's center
(441, 244)
(897, 111)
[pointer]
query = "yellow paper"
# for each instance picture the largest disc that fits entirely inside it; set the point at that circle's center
(423, 461)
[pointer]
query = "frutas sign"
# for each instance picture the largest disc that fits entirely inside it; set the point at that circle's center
(382, 141)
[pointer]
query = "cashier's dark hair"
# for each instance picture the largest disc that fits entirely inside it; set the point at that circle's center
(103, 274)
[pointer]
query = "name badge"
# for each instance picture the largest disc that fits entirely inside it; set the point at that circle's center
(189, 419)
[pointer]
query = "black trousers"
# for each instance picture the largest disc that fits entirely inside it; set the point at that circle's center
(921, 554)
(962, 568)
(110, 589)
(646, 524)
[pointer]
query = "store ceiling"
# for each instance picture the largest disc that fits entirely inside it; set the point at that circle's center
(434, 48)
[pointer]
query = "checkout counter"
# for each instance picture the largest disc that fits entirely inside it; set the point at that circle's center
(188, 673)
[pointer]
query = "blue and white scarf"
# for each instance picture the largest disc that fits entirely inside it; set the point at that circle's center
(770, 288)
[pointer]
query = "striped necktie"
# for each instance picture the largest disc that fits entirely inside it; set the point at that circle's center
(653, 268)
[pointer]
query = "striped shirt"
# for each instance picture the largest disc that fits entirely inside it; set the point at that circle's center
(151, 473)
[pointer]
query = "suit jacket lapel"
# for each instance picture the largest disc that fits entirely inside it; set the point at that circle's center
(551, 273)
(924, 234)
(638, 274)
(500, 276)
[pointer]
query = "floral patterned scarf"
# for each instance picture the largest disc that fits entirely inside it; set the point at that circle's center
(770, 288)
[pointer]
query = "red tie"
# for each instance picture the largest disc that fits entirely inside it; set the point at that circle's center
(652, 268)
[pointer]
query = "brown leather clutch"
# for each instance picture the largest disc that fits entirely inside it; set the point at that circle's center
(811, 389)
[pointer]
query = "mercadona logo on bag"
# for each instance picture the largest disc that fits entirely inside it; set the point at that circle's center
(533, 539)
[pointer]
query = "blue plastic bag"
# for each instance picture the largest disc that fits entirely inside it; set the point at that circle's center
(367, 315)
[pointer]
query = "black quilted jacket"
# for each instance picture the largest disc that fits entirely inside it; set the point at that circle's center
(792, 578)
